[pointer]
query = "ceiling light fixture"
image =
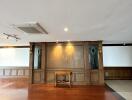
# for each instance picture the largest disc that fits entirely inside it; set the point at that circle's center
(68, 40)
(57, 41)
(12, 36)
(66, 29)
(124, 43)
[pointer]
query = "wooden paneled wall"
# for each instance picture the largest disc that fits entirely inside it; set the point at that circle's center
(37, 75)
(62, 57)
(118, 73)
(73, 56)
(14, 72)
(68, 56)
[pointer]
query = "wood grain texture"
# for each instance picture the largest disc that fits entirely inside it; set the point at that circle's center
(49, 92)
(72, 56)
(14, 71)
(118, 72)
(65, 56)
(37, 75)
(18, 89)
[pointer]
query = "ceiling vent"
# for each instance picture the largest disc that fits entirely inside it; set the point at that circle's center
(31, 28)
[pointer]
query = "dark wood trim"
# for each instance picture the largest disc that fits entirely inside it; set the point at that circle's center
(115, 67)
(73, 42)
(31, 64)
(64, 43)
(14, 46)
(121, 44)
(43, 62)
(118, 73)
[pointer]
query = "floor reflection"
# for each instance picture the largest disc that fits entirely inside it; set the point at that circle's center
(18, 89)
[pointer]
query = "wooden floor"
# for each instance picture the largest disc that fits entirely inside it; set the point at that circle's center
(18, 89)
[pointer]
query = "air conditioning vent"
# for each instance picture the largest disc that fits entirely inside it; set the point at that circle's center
(31, 28)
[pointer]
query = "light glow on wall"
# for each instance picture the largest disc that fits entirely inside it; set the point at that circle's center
(57, 52)
(69, 49)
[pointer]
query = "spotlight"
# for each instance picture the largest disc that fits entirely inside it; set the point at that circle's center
(7, 37)
(12, 36)
(68, 40)
(124, 44)
(57, 41)
(66, 29)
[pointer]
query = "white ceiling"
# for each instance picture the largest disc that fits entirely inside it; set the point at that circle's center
(107, 20)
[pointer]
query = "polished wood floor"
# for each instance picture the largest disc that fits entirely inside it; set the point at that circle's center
(18, 89)
(13, 89)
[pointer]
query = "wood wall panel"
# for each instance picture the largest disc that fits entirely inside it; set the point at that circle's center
(80, 77)
(38, 76)
(72, 56)
(50, 77)
(20, 72)
(7, 72)
(1, 72)
(77, 75)
(14, 71)
(27, 72)
(65, 56)
(94, 76)
(118, 72)
(55, 57)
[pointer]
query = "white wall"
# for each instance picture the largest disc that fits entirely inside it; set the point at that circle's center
(16, 57)
(117, 56)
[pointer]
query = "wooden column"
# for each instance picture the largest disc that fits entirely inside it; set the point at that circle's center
(43, 62)
(101, 68)
(37, 75)
(86, 63)
(31, 64)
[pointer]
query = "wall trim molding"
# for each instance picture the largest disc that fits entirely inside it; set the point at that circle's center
(115, 73)
(14, 46)
(120, 44)
(14, 72)
(118, 67)
(13, 67)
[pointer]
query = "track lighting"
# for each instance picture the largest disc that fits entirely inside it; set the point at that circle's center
(12, 36)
